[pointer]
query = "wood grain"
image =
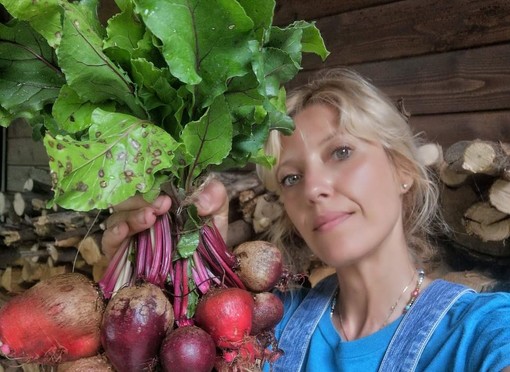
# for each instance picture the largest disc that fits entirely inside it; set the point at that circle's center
(410, 28)
(461, 81)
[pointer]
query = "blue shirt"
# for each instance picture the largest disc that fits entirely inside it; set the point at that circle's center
(473, 336)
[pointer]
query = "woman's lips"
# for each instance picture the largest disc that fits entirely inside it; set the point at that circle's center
(328, 221)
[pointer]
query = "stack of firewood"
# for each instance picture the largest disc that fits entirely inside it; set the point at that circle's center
(38, 242)
(475, 196)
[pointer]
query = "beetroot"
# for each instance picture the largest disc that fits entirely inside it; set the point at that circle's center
(56, 320)
(267, 312)
(96, 363)
(188, 348)
(134, 325)
(260, 265)
(249, 356)
(226, 314)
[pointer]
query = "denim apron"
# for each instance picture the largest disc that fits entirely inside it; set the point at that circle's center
(406, 345)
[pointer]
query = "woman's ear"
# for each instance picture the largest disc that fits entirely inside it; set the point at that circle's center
(406, 183)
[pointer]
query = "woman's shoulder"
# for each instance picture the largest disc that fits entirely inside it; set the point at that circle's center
(486, 308)
(473, 335)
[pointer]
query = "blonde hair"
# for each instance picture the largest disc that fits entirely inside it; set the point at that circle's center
(368, 114)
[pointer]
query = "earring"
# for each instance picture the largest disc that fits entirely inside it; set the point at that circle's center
(404, 186)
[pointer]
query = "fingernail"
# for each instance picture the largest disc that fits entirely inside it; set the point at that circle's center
(158, 202)
(114, 229)
(140, 218)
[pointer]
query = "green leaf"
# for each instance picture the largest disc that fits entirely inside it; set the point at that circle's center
(279, 68)
(29, 76)
(159, 97)
(121, 158)
(204, 42)
(289, 41)
(72, 114)
(43, 16)
(6, 118)
(188, 243)
(209, 139)
(88, 70)
(312, 41)
(261, 13)
(124, 32)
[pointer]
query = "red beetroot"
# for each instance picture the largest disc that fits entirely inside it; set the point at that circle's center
(56, 320)
(226, 314)
(134, 325)
(260, 265)
(96, 363)
(188, 348)
(267, 312)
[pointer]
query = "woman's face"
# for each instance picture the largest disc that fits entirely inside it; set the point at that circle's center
(342, 194)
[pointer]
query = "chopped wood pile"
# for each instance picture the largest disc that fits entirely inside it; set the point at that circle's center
(475, 197)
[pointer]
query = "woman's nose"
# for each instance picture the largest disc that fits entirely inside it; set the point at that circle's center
(318, 183)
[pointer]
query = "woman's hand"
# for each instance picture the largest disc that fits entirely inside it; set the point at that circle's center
(135, 215)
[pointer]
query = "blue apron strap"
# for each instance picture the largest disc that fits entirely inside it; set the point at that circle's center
(418, 325)
(296, 335)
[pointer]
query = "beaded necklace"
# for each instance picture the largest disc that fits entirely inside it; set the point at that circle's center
(414, 295)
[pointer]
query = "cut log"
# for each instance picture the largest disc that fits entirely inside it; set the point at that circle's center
(487, 222)
(73, 237)
(473, 279)
(22, 206)
(15, 236)
(454, 204)
(267, 210)
(485, 214)
(451, 177)
(90, 248)
(5, 204)
(37, 186)
(99, 268)
(35, 271)
(239, 232)
(499, 195)
(247, 202)
(477, 157)
(431, 155)
(7, 213)
(11, 280)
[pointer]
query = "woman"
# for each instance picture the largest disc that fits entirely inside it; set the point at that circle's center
(353, 190)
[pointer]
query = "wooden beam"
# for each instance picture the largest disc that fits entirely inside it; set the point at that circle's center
(462, 81)
(409, 28)
(287, 11)
(451, 128)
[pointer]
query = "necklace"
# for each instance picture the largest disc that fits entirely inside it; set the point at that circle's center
(414, 295)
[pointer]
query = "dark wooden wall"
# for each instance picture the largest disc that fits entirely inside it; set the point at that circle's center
(448, 60)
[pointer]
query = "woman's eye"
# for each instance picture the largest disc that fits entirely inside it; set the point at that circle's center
(342, 152)
(290, 180)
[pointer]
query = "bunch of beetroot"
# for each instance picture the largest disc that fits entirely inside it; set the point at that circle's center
(159, 306)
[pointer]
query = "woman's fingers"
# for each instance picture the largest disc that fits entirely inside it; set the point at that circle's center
(130, 217)
(135, 215)
(213, 201)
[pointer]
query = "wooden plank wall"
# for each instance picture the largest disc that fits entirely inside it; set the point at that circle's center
(25, 157)
(448, 60)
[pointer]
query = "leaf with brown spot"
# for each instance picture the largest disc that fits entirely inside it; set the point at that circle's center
(112, 158)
